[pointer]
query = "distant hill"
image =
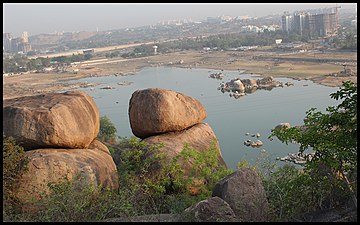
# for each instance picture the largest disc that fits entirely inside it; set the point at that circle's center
(51, 40)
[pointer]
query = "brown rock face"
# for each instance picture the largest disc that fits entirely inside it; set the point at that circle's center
(54, 165)
(55, 120)
(244, 192)
(96, 144)
(199, 137)
(155, 111)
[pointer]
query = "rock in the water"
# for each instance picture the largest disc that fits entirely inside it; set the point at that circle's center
(155, 111)
(199, 137)
(237, 85)
(213, 209)
(249, 83)
(282, 126)
(54, 120)
(93, 166)
(268, 82)
(245, 193)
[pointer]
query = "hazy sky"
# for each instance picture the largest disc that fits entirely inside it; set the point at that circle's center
(36, 18)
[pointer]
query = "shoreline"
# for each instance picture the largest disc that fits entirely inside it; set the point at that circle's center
(37, 83)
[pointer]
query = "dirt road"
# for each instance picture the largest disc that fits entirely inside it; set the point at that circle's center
(96, 50)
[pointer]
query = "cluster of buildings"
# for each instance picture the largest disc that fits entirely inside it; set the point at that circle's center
(16, 45)
(219, 20)
(256, 29)
(178, 22)
(315, 23)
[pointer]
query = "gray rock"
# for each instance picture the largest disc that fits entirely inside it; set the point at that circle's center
(282, 126)
(213, 209)
(244, 192)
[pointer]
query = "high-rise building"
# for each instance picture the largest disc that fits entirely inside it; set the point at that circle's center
(14, 45)
(287, 22)
(300, 22)
(321, 25)
(7, 42)
(25, 37)
(315, 23)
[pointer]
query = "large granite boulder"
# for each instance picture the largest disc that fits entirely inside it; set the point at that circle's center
(200, 137)
(92, 166)
(155, 111)
(244, 192)
(213, 209)
(54, 120)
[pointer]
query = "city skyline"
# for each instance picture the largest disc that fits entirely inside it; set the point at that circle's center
(51, 17)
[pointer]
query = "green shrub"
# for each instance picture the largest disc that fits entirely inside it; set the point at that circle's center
(76, 201)
(158, 184)
(14, 163)
(293, 190)
(333, 138)
(107, 130)
(205, 165)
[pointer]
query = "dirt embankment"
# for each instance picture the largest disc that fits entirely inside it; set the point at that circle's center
(322, 73)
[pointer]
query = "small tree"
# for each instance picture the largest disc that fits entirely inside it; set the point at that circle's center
(14, 163)
(332, 135)
(107, 130)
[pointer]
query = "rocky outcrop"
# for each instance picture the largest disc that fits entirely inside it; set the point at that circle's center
(241, 87)
(249, 83)
(213, 209)
(55, 120)
(282, 126)
(58, 132)
(268, 83)
(233, 85)
(244, 192)
(199, 137)
(166, 117)
(93, 166)
(155, 111)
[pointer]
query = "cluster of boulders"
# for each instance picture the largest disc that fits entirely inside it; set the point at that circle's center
(58, 132)
(297, 158)
(163, 116)
(239, 196)
(253, 144)
(239, 87)
(218, 75)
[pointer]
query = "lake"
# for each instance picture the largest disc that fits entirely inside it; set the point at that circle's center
(230, 118)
